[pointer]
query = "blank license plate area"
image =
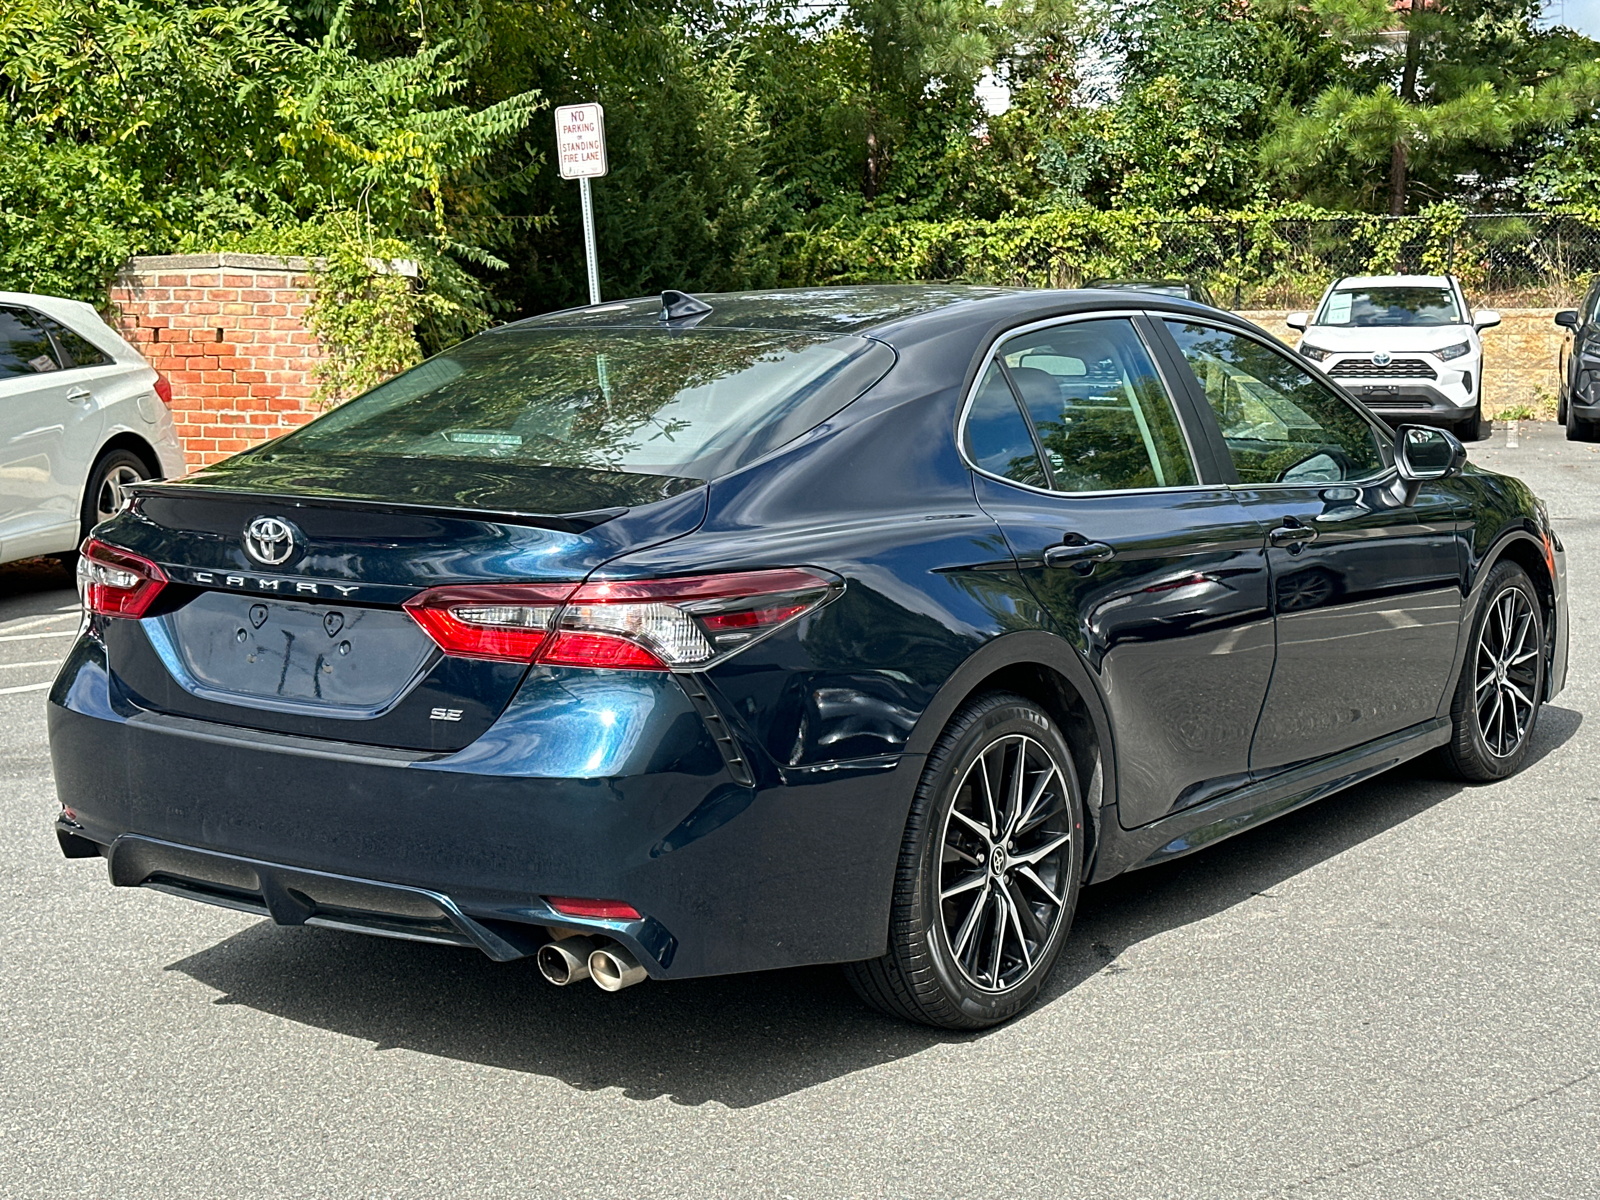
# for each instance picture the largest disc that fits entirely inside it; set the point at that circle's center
(357, 659)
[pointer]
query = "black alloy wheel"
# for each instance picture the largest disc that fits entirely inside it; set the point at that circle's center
(1497, 699)
(1301, 590)
(989, 872)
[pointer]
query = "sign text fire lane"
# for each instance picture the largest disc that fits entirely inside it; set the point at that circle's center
(581, 141)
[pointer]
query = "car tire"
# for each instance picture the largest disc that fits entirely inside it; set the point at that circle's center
(1496, 705)
(1578, 430)
(112, 471)
(956, 965)
(1474, 428)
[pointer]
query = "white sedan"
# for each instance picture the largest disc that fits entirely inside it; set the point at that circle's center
(82, 415)
(1407, 346)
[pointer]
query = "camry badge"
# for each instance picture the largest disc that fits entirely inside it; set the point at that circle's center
(269, 540)
(1382, 358)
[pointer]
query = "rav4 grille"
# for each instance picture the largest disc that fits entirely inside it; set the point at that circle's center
(1400, 368)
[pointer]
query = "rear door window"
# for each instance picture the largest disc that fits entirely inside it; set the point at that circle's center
(1099, 411)
(25, 347)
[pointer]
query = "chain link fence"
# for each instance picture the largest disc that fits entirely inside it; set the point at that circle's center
(1521, 260)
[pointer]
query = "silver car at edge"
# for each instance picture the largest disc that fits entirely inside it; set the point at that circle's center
(82, 415)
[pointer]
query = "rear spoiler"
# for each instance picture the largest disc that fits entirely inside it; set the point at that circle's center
(574, 522)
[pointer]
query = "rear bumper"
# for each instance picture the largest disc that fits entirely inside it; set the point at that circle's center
(728, 878)
(295, 896)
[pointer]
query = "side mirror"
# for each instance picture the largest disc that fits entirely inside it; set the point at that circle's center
(1567, 318)
(1487, 318)
(1298, 320)
(1422, 454)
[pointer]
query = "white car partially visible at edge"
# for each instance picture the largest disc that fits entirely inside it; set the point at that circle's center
(82, 415)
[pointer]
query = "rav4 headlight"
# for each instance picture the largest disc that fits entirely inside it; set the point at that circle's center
(1314, 353)
(1455, 351)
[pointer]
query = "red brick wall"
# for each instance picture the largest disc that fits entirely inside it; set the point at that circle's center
(228, 332)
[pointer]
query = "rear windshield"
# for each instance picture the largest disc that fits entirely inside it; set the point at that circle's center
(1371, 307)
(685, 403)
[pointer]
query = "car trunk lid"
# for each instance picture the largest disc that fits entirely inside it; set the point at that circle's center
(317, 643)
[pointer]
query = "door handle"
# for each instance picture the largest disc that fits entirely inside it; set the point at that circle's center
(79, 393)
(1292, 534)
(1066, 555)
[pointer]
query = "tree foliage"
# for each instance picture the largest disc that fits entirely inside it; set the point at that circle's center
(1438, 98)
(752, 142)
(161, 126)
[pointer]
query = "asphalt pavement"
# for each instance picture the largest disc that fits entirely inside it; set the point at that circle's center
(1393, 993)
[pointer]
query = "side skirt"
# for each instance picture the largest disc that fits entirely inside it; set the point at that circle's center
(1234, 812)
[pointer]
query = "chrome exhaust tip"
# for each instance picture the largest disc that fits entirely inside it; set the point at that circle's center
(613, 968)
(566, 961)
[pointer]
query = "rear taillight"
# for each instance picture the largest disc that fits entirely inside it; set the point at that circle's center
(504, 622)
(164, 389)
(666, 624)
(115, 582)
(639, 625)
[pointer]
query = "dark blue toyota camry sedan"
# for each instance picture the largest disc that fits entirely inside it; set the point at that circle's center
(697, 635)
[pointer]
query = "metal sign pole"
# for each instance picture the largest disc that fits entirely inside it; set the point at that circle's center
(589, 250)
(581, 154)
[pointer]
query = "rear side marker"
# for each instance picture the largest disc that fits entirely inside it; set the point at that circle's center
(613, 910)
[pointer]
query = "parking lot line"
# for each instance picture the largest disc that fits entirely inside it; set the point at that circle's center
(19, 626)
(48, 662)
(28, 637)
(26, 687)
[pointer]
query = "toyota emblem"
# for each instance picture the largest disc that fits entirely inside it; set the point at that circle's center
(1382, 358)
(269, 540)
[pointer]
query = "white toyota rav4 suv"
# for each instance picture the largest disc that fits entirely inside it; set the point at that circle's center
(81, 416)
(1407, 346)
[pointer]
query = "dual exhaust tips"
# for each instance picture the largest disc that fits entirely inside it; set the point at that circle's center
(573, 959)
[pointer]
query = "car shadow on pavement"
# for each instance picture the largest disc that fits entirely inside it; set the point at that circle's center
(745, 1040)
(34, 586)
(1141, 904)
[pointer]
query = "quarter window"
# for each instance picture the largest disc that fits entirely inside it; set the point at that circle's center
(80, 351)
(24, 347)
(1281, 425)
(998, 437)
(1099, 414)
